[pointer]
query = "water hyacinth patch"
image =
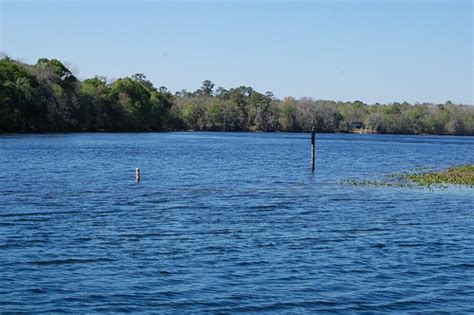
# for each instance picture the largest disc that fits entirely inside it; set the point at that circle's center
(423, 177)
(457, 175)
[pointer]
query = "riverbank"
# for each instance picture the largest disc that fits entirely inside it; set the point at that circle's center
(64, 103)
(221, 131)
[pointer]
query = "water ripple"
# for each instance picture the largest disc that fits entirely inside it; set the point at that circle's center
(230, 222)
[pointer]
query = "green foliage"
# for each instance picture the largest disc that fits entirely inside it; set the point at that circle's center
(47, 96)
(288, 119)
(457, 175)
(21, 103)
(207, 88)
(424, 177)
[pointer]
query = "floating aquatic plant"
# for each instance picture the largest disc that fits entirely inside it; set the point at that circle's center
(457, 175)
(422, 177)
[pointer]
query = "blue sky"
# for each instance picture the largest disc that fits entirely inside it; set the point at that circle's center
(374, 51)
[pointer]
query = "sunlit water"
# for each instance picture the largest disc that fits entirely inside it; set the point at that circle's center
(231, 222)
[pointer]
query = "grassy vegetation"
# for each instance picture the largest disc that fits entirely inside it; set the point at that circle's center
(456, 175)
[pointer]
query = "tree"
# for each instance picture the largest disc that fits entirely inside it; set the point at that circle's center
(288, 120)
(46, 96)
(22, 107)
(140, 77)
(375, 122)
(206, 89)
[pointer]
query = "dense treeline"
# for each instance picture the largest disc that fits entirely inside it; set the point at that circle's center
(47, 96)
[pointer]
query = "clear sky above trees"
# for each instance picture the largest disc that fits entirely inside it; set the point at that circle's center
(373, 51)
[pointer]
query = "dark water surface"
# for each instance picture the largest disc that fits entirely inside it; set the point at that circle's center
(231, 222)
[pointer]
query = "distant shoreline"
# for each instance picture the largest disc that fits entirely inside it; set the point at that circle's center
(222, 131)
(47, 97)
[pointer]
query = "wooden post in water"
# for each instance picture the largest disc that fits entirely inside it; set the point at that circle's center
(138, 175)
(313, 141)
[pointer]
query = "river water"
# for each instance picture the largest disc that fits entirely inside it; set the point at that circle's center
(231, 222)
